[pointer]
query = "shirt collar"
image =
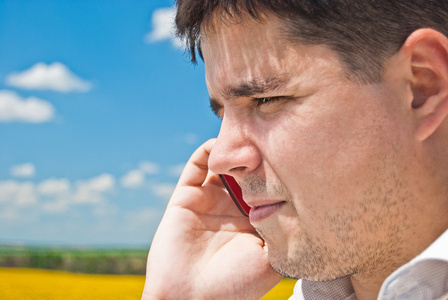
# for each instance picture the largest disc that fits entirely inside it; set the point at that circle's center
(426, 274)
(340, 288)
(437, 250)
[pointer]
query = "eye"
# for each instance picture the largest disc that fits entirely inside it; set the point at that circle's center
(216, 107)
(265, 100)
(269, 105)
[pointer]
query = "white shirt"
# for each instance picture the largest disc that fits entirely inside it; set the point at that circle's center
(423, 278)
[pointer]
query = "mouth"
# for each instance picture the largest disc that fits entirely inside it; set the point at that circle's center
(259, 213)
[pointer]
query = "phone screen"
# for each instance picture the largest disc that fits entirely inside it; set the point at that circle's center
(235, 193)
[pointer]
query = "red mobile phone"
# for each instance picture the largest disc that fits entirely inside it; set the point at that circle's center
(235, 193)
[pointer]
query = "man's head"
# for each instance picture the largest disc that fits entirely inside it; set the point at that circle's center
(341, 161)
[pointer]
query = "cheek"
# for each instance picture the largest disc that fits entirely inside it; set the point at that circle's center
(323, 157)
(327, 166)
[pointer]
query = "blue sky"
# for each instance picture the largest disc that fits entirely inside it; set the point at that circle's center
(99, 110)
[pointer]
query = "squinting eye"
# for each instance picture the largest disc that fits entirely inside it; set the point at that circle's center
(266, 100)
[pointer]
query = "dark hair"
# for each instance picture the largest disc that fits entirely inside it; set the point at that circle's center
(363, 32)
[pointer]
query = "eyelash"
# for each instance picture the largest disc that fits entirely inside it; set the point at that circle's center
(265, 100)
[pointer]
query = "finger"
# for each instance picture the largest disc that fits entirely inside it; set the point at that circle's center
(196, 170)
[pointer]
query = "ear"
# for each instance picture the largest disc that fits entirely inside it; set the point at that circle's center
(428, 53)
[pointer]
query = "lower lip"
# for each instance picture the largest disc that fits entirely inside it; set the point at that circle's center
(257, 214)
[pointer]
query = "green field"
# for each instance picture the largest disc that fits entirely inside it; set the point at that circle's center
(77, 260)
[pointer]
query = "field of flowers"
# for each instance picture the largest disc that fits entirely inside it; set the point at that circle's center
(37, 284)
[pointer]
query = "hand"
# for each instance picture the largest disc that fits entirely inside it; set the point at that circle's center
(204, 247)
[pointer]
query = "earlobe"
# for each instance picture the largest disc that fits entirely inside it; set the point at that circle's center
(429, 64)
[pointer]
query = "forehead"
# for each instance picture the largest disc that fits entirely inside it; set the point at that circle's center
(256, 50)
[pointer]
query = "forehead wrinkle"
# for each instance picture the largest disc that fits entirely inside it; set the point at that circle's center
(253, 88)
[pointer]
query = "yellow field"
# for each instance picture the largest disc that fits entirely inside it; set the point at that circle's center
(33, 284)
(283, 290)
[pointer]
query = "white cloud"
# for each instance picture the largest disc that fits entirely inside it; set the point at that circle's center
(163, 27)
(102, 183)
(176, 170)
(92, 190)
(136, 178)
(163, 190)
(8, 190)
(59, 192)
(133, 179)
(54, 187)
(17, 193)
(55, 196)
(32, 109)
(24, 170)
(149, 168)
(55, 77)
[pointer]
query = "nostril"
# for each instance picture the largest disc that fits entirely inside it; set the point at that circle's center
(237, 169)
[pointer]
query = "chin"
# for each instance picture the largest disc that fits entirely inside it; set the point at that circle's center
(303, 266)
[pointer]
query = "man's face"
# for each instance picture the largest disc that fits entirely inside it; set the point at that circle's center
(320, 159)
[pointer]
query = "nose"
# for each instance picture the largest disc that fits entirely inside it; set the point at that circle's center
(235, 152)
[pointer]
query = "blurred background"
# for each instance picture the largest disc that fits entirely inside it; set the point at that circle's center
(100, 109)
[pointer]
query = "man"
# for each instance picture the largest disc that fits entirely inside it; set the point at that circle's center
(334, 125)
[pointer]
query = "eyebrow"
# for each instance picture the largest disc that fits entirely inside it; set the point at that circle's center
(253, 88)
